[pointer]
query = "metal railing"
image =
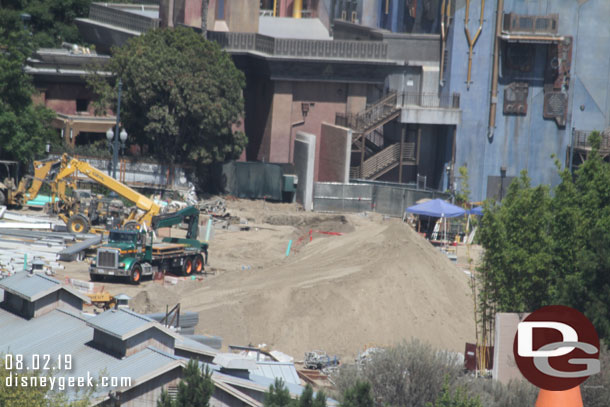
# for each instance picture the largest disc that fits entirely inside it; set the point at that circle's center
(430, 100)
(580, 139)
(300, 48)
(384, 159)
(367, 119)
(121, 18)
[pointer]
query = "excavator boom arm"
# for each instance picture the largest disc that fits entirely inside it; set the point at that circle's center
(141, 201)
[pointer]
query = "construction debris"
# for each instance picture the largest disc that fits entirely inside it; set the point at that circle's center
(215, 207)
(319, 360)
(34, 241)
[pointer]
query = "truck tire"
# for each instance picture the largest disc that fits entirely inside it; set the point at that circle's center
(78, 224)
(136, 274)
(187, 267)
(198, 264)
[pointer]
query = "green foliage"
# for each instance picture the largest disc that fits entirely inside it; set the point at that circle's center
(359, 395)
(52, 21)
(14, 395)
(542, 250)
(196, 388)
(165, 400)
(459, 398)
(408, 375)
(182, 96)
(517, 261)
(24, 127)
(278, 395)
(462, 197)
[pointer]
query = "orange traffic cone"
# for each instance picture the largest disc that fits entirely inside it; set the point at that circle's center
(565, 398)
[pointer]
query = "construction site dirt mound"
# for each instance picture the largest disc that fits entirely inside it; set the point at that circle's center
(378, 285)
(328, 223)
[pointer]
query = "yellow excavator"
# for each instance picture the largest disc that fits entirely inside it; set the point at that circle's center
(81, 218)
(17, 195)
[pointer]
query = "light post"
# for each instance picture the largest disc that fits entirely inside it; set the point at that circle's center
(114, 138)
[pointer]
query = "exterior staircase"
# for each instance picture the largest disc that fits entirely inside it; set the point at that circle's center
(384, 161)
(380, 113)
(367, 126)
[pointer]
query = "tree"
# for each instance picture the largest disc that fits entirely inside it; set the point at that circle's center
(462, 197)
(542, 249)
(359, 395)
(410, 374)
(196, 388)
(278, 395)
(165, 400)
(516, 266)
(24, 127)
(582, 239)
(458, 399)
(182, 96)
(52, 21)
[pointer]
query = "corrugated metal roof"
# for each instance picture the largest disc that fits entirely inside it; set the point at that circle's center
(123, 323)
(35, 286)
(285, 371)
(30, 286)
(194, 346)
(64, 333)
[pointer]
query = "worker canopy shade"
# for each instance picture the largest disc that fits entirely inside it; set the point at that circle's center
(437, 208)
(477, 210)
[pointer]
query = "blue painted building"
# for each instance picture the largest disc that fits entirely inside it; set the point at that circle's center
(399, 16)
(553, 81)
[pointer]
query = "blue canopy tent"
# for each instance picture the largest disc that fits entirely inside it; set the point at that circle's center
(437, 208)
(477, 210)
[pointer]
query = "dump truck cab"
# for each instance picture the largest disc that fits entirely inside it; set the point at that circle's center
(125, 250)
(132, 253)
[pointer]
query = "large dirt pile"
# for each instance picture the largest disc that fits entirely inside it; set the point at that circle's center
(379, 284)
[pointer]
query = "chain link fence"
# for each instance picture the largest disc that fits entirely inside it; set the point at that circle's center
(386, 198)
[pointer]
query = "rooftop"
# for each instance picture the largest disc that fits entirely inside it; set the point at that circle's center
(35, 286)
(64, 333)
(123, 323)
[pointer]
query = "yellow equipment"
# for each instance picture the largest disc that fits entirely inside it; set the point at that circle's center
(103, 300)
(79, 219)
(12, 194)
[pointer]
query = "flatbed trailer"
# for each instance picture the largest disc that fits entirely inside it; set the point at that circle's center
(166, 257)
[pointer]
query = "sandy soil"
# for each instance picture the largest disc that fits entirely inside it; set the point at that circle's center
(376, 284)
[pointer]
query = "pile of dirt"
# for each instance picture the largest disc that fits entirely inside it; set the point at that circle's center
(154, 298)
(328, 223)
(379, 284)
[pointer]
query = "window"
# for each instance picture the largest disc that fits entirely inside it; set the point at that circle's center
(220, 10)
(82, 105)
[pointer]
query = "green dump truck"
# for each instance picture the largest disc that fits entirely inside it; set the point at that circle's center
(131, 253)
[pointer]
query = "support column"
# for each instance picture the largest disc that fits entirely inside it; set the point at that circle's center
(418, 144)
(452, 177)
(276, 139)
(403, 131)
(362, 147)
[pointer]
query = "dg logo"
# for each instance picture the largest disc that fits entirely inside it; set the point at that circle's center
(556, 348)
